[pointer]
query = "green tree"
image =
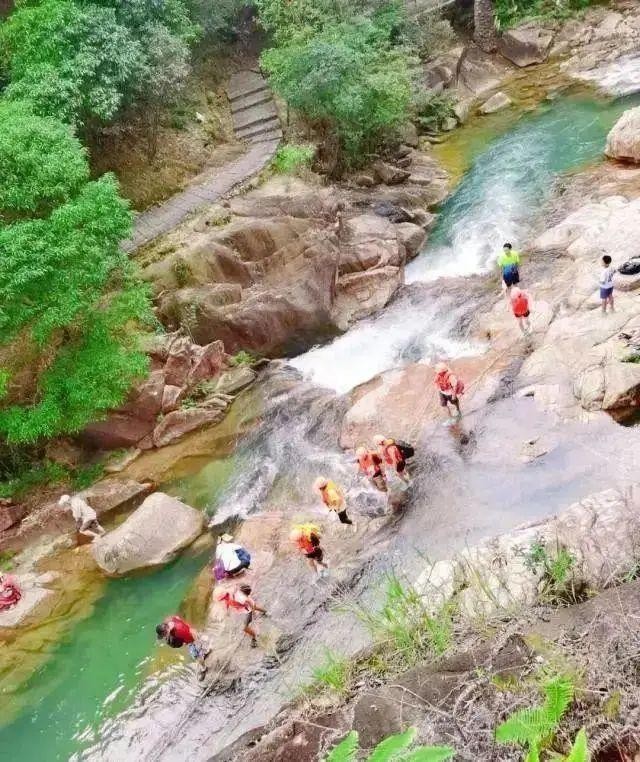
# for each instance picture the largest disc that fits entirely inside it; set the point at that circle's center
(348, 80)
(41, 163)
(68, 293)
(74, 62)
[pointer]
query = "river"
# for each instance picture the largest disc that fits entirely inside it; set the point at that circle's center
(74, 705)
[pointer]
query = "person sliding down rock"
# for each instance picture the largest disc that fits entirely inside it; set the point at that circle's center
(520, 307)
(175, 632)
(83, 514)
(332, 497)
(395, 454)
(509, 264)
(307, 539)
(231, 559)
(240, 600)
(370, 464)
(449, 388)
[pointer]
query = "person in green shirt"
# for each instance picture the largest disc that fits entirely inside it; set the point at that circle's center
(509, 262)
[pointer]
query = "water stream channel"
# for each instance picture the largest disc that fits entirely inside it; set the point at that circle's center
(89, 698)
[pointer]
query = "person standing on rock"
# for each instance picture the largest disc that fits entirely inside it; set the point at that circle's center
(85, 517)
(307, 539)
(606, 284)
(176, 633)
(394, 454)
(333, 497)
(370, 464)
(449, 388)
(509, 263)
(231, 558)
(240, 600)
(521, 309)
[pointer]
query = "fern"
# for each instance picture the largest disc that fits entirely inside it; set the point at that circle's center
(533, 726)
(580, 749)
(346, 750)
(559, 694)
(391, 747)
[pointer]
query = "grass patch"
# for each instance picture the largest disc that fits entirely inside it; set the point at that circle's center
(512, 12)
(243, 358)
(292, 159)
(334, 674)
(32, 476)
(85, 476)
(6, 560)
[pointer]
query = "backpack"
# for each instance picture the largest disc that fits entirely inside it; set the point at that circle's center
(407, 450)
(244, 556)
(632, 267)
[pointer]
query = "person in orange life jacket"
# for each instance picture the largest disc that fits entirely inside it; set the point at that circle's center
(370, 464)
(177, 633)
(332, 497)
(307, 540)
(520, 307)
(449, 388)
(240, 600)
(392, 455)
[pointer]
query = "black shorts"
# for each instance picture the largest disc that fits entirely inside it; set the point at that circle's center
(447, 399)
(316, 554)
(400, 467)
(344, 519)
(511, 278)
(526, 315)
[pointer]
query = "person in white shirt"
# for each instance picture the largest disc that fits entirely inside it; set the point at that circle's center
(233, 557)
(606, 283)
(83, 514)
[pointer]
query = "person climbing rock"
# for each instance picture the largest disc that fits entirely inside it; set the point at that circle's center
(606, 284)
(240, 600)
(509, 263)
(370, 464)
(10, 592)
(520, 307)
(332, 497)
(84, 516)
(307, 539)
(177, 633)
(394, 454)
(231, 559)
(450, 388)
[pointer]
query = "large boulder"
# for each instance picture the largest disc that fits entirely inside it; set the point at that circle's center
(623, 142)
(388, 174)
(362, 293)
(153, 535)
(497, 102)
(526, 44)
(412, 238)
(369, 241)
(177, 423)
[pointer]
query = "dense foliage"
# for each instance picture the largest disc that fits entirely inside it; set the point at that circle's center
(67, 291)
(348, 75)
(510, 12)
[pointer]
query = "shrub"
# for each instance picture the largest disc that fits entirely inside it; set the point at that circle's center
(510, 12)
(348, 80)
(432, 109)
(290, 159)
(559, 584)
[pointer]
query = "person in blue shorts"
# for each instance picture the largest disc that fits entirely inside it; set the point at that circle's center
(509, 263)
(606, 284)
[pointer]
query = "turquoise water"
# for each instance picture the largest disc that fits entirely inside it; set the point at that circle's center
(497, 200)
(101, 663)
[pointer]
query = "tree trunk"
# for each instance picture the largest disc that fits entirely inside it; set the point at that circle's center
(484, 25)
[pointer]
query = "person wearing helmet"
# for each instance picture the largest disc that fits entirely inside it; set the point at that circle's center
(520, 308)
(449, 388)
(392, 455)
(84, 516)
(240, 600)
(509, 264)
(370, 464)
(332, 497)
(307, 540)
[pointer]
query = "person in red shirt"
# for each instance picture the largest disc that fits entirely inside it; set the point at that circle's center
(449, 387)
(176, 633)
(10, 593)
(392, 455)
(240, 600)
(307, 539)
(521, 309)
(370, 464)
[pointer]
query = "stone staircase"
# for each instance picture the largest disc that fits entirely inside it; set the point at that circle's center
(255, 117)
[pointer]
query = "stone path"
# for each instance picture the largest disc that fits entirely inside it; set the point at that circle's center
(256, 122)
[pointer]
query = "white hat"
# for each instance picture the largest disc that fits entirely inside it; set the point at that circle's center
(320, 482)
(64, 500)
(226, 537)
(378, 439)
